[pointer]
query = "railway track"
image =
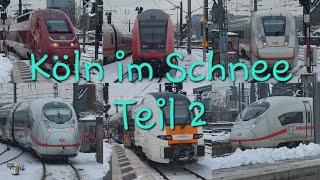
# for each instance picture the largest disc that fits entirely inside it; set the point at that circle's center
(6, 150)
(11, 159)
(176, 172)
(57, 169)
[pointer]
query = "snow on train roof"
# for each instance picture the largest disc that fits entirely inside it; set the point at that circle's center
(273, 12)
(148, 14)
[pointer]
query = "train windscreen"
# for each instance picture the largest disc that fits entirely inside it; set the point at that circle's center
(254, 110)
(274, 26)
(57, 112)
(153, 35)
(182, 116)
(58, 26)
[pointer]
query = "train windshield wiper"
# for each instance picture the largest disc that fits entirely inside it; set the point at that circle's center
(60, 116)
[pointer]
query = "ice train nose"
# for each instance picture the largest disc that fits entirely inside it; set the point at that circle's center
(242, 137)
(62, 143)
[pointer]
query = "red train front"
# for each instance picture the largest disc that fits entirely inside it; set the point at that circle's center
(153, 38)
(43, 32)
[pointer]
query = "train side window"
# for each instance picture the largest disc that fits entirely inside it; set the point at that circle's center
(3, 121)
(309, 117)
(30, 121)
(291, 118)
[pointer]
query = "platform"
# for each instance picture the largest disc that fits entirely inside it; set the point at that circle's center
(127, 166)
(295, 169)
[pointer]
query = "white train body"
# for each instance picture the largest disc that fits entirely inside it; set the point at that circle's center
(268, 35)
(274, 122)
(164, 146)
(49, 127)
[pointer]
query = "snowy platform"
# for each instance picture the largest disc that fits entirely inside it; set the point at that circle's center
(127, 166)
(303, 168)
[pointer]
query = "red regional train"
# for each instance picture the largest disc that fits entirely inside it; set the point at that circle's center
(153, 39)
(114, 40)
(41, 32)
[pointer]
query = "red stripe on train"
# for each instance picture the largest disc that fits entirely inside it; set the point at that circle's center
(298, 128)
(52, 145)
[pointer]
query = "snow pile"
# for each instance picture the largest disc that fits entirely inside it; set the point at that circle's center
(107, 150)
(5, 70)
(216, 137)
(188, 60)
(262, 155)
(88, 116)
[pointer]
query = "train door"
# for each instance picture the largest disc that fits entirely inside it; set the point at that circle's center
(129, 134)
(308, 119)
(114, 44)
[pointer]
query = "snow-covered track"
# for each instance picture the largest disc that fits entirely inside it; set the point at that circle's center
(6, 150)
(53, 169)
(176, 172)
(15, 157)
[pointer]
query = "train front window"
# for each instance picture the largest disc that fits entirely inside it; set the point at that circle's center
(57, 112)
(153, 34)
(274, 26)
(254, 110)
(182, 116)
(57, 26)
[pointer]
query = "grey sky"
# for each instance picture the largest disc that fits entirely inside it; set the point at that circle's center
(125, 9)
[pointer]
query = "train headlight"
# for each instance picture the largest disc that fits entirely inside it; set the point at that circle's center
(54, 44)
(286, 41)
(253, 125)
(197, 136)
(73, 44)
(264, 41)
(49, 130)
(145, 46)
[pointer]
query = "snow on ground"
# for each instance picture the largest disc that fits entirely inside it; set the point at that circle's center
(258, 156)
(90, 168)
(33, 168)
(216, 137)
(5, 69)
(84, 162)
(107, 152)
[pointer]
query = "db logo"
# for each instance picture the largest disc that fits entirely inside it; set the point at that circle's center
(239, 134)
(61, 140)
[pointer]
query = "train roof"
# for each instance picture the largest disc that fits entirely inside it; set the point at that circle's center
(158, 14)
(272, 12)
(107, 28)
(285, 99)
(167, 95)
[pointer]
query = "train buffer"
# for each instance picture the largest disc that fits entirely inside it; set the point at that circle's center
(126, 165)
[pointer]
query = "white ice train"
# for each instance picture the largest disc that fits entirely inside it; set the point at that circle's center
(268, 35)
(48, 127)
(163, 146)
(274, 122)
